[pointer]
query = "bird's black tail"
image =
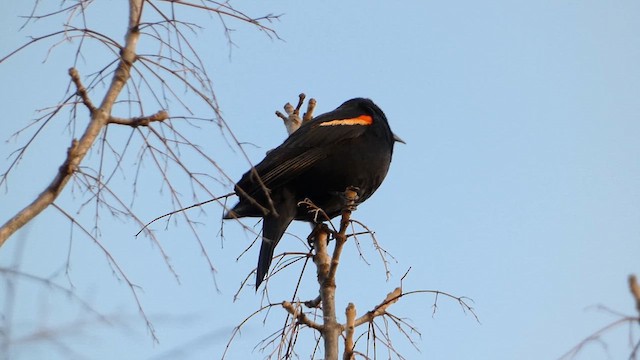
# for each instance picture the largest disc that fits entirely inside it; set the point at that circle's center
(264, 261)
(273, 227)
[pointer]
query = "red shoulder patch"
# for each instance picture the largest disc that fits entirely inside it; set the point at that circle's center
(360, 120)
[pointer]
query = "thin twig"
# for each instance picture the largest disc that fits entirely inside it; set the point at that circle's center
(183, 209)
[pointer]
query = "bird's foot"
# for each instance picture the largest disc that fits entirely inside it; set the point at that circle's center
(351, 197)
(317, 214)
(292, 120)
(320, 227)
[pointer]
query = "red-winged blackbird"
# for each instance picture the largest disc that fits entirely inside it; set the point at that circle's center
(349, 146)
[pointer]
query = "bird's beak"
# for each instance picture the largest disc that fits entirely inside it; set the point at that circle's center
(397, 138)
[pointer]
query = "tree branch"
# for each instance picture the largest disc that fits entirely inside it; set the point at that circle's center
(81, 90)
(140, 121)
(327, 267)
(300, 316)
(381, 308)
(351, 195)
(99, 118)
(331, 329)
(350, 313)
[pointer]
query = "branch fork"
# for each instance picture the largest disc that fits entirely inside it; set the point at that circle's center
(100, 117)
(327, 267)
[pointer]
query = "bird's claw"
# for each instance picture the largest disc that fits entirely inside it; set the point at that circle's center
(292, 119)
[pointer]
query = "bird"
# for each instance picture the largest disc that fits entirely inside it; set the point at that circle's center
(351, 146)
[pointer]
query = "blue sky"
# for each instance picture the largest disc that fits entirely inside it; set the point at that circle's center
(518, 185)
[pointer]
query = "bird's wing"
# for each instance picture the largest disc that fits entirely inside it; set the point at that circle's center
(328, 129)
(304, 148)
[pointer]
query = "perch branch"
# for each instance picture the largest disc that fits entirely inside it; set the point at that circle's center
(351, 195)
(327, 267)
(331, 329)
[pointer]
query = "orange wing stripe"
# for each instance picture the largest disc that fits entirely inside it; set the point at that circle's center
(360, 120)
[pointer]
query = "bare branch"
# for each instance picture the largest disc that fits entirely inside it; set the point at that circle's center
(81, 90)
(140, 121)
(224, 9)
(183, 209)
(53, 285)
(300, 316)
(120, 272)
(79, 148)
(381, 308)
(29, 43)
(330, 328)
(350, 314)
(351, 196)
(128, 78)
(46, 198)
(596, 336)
(237, 329)
(381, 251)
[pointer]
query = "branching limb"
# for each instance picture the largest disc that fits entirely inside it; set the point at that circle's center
(237, 329)
(623, 319)
(380, 322)
(99, 118)
(327, 267)
(385, 256)
(351, 195)
(129, 80)
(331, 329)
(75, 153)
(119, 271)
(225, 10)
(300, 316)
(381, 308)
(596, 336)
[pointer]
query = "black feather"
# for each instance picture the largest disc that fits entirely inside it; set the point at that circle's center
(318, 161)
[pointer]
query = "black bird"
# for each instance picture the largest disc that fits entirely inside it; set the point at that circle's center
(349, 146)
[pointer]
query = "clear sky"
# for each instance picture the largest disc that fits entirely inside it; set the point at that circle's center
(518, 186)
